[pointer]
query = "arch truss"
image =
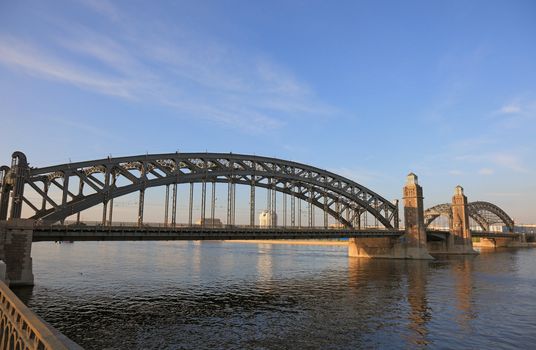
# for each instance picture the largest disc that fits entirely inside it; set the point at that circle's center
(86, 184)
(485, 214)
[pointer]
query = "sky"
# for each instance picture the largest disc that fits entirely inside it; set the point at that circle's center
(371, 90)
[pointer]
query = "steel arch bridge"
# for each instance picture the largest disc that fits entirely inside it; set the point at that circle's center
(484, 214)
(100, 181)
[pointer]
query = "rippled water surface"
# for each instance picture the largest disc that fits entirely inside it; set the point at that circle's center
(191, 295)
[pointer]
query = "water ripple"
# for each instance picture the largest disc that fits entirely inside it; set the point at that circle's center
(190, 295)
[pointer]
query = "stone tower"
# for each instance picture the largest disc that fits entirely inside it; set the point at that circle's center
(461, 241)
(410, 245)
(414, 212)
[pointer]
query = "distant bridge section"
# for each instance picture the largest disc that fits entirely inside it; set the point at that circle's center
(485, 214)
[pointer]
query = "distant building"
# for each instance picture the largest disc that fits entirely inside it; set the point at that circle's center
(498, 228)
(209, 223)
(521, 228)
(268, 218)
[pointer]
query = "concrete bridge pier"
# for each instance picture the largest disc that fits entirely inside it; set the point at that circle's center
(411, 245)
(459, 240)
(496, 242)
(517, 241)
(15, 251)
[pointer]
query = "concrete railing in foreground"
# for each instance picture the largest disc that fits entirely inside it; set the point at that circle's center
(21, 329)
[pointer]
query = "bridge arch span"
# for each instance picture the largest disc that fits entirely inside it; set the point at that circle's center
(115, 177)
(483, 213)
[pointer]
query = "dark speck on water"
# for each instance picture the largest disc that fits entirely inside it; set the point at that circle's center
(207, 295)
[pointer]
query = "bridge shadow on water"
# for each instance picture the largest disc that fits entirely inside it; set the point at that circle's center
(24, 293)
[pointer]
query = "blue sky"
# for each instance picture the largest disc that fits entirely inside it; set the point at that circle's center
(368, 89)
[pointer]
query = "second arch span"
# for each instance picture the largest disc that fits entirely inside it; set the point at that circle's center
(485, 214)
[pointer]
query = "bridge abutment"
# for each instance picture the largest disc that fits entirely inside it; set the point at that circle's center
(519, 241)
(411, 245)
(15, 250)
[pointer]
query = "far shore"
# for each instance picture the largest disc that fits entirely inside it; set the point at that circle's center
(290, 241)
(330, 243)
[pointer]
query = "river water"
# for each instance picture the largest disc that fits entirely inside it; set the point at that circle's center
(215, 295)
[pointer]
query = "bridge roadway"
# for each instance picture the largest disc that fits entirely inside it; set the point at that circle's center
(189, 233)
(132, 232)
(476, 233)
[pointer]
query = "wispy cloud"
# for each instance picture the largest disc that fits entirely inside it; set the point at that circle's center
(504, 194)
(211, 82)
(511, 108)
(516, 113)
(102, 7)
(486, 171)
(509, 161)
(20, 55)
(88, 129)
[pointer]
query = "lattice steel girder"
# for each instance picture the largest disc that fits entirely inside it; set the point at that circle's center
(145, 171)
(484, 213)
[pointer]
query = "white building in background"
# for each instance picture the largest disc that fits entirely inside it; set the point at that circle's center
(267, 218)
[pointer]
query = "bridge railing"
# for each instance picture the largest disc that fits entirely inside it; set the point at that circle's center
(20, 328)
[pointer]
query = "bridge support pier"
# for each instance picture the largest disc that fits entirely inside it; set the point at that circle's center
(411, 245)
(500, 242)
(459, 240)
(15, 251)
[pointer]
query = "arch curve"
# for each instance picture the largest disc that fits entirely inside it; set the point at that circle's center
(4, 170)
(326, 190)
(491, 214)
(484, 213)
(436, 211)
(19, 158)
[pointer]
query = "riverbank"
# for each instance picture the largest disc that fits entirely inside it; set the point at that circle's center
(342, 243)
(488, 244)
(290, 241)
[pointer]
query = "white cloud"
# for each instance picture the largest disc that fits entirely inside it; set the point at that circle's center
(455, 172)
(102, 7)
(17, 54)
(210, 82)
(520, 109)
(486, 171)
(510, 161)
(88, 129)
(504, 194)
(512, 108)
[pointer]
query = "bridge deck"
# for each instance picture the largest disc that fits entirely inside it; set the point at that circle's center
(130, 233)
(479, 234)
(485, 234)
(159, 232)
